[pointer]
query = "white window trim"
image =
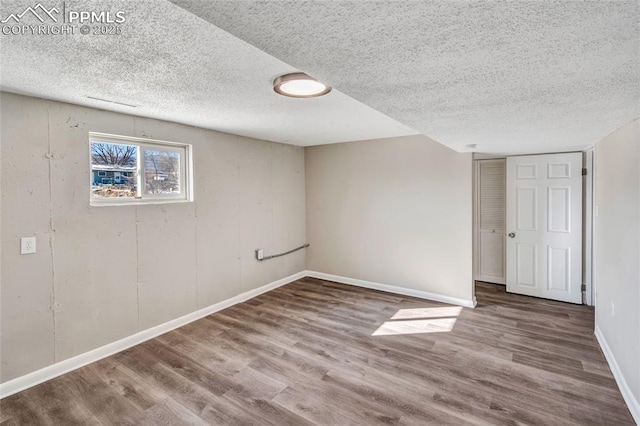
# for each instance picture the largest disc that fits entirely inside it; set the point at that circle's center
(186, 172)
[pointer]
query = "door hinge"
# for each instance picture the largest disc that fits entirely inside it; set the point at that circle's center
(584, 287)
(584, 172)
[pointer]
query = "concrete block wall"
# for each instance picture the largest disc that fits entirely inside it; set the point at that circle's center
(104, 273)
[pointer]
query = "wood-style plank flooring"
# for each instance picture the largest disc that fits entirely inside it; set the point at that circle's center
(305, 354)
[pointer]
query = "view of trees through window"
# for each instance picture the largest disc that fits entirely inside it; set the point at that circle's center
(116, 169)
(161, 172)
(113, 154)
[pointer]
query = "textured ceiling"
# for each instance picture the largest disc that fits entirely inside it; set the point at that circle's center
(174, 66)
(525, 76)
(510, 77)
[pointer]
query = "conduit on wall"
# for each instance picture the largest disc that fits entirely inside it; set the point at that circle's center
(260, 257)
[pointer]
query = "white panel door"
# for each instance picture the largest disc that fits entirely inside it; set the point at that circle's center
(544, 226)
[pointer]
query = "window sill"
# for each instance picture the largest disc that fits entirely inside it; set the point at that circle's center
(99, 203)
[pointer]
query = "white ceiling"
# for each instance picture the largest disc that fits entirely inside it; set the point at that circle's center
(510, 77)
(175, 66)
(525, 76)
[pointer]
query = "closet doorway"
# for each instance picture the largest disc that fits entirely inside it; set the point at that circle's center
(490, 220)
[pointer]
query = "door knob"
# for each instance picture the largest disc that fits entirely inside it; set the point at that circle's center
(512, 234)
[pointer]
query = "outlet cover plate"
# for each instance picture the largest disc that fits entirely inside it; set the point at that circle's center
(27, 245)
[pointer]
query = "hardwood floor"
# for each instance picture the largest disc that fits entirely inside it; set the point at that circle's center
(304, 354)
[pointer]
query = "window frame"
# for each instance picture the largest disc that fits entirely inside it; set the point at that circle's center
(144, 144)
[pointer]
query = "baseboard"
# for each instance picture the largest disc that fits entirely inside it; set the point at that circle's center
(629, 398)
(47, 373)
(393, 289)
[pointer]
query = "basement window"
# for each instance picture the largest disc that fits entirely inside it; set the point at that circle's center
(127, 170)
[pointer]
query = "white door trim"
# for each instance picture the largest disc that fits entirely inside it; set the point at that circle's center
(588, 212)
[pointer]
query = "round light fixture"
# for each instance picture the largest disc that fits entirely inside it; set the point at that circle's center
(299, 85)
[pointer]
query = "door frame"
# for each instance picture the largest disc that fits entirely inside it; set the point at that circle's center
(588, 163)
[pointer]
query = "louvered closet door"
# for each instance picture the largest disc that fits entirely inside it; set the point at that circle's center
(491, 220)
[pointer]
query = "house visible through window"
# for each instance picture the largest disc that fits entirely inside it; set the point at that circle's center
(134, 170)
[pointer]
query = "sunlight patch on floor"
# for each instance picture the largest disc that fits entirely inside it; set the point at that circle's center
(416, 313)
(420, 321)
(440, 325)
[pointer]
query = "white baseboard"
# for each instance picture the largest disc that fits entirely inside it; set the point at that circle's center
(629, 398)
(47, 373)
(394, 289)
(62, 367)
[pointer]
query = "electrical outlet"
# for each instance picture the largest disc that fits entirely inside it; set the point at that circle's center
(27, 245)
(259, 254)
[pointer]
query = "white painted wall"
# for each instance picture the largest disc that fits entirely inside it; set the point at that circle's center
(617, 253)
(392, 211)
(104, 273)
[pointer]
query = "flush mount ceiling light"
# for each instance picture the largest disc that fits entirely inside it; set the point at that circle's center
(299, 85)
